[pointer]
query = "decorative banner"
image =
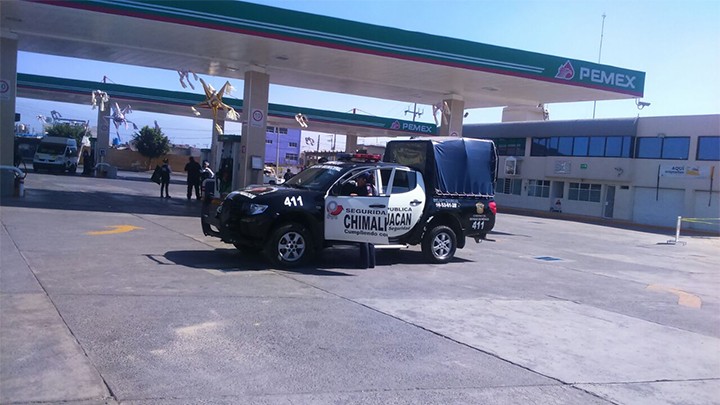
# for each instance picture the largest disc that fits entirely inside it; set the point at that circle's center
(694, 172)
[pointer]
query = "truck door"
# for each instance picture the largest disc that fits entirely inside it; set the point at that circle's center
(407, 201)
(356, 218)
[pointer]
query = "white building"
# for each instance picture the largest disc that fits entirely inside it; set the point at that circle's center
(642, 170)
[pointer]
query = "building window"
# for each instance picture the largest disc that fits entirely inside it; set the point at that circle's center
(510, 186)
(708, 148)
(539, 147)
(595, 146)
(510, 146)
(613, 146)
(584, 192)
(291, 157)
(269, 141)
(580, 146)
(293, 144)
(675, 148)
(281, 131)
(539, 188)
(564, 146)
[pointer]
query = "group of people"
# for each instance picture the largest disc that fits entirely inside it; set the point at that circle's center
(196, 174)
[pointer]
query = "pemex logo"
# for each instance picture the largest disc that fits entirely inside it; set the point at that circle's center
(395, 125)
(565, 71)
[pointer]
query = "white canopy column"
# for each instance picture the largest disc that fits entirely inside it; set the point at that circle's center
(8, 91)
(215, 149)
(452, 112)
(250, 159)
(103, 131)
(351, 141)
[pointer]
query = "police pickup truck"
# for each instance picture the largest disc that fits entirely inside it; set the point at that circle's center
(426, 192)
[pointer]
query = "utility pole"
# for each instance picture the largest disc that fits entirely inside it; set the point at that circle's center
(414, 111)
(602, 33)
(277, 150)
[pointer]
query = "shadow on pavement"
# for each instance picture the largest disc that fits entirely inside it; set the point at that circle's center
(104, 201)
(232, 260)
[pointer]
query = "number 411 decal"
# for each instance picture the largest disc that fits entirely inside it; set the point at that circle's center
(294, 201)
(478, 225)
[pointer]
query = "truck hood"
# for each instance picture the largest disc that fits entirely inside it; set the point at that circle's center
(262, 193)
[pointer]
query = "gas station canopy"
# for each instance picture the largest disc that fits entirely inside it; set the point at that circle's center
(179, 103)
(309, 51)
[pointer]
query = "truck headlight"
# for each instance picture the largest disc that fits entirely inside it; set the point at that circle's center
(255, 209)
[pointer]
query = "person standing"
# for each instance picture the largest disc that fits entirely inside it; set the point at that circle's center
(86, 163)
(288, 175)
(193, 177)
(165, 171)
(205, 173)
(366, 188)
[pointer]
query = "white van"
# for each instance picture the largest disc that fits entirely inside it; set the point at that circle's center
(56, 154)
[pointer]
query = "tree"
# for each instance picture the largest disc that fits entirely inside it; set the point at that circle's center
(67, 130)
(151, 143)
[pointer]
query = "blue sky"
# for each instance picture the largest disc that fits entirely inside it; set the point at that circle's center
(677, 44)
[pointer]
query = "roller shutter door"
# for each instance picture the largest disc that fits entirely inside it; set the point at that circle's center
(663, 211)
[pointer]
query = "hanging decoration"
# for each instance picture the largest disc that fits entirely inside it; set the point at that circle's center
(101, 97)
(213, 101)
(301, 119)
(119, 117)
(185, 75)
(444, 109)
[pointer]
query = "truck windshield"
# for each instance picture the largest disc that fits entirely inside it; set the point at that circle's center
(51, 148)
(317, 178)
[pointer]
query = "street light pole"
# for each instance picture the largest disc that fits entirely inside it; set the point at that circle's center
(602, 33)
(277, 150)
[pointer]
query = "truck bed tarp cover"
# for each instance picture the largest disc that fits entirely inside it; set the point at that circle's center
(462, 166)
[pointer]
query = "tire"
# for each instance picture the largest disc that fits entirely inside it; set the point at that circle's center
(290, 245)
(439, 244)
(72, 169)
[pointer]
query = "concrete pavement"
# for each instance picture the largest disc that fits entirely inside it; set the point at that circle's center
(547, 312)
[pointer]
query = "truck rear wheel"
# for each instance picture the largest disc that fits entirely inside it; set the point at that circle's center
(290, 245)
(439, 244)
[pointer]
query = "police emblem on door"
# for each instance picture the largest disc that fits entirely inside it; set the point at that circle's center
(480, 208)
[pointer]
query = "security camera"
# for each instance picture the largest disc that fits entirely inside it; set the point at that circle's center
(641, 104)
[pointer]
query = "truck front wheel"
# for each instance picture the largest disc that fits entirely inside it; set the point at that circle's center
(290, 245)
(439, 244)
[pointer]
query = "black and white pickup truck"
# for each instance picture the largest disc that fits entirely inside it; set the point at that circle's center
(428, 192)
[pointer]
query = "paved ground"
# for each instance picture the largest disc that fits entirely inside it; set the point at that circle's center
(109, 294)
